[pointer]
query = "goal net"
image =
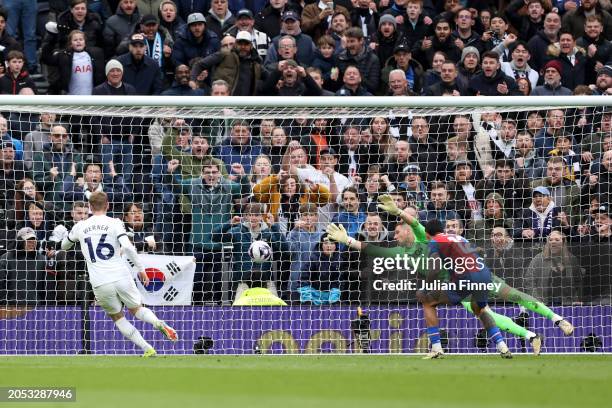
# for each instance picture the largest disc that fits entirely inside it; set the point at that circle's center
(229, 203)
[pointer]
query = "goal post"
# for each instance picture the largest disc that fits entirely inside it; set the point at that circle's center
(197, 180)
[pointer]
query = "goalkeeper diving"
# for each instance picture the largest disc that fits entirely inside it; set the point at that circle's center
(411, 237)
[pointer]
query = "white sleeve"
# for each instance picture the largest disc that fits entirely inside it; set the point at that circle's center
(128, 247)
(69, 240)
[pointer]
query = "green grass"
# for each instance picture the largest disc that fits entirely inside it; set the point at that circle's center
(317, 381)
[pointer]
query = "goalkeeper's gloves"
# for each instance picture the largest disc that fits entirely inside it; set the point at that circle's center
(337, 233)
(387, 204)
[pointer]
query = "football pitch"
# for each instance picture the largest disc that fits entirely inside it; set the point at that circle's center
(316, 381)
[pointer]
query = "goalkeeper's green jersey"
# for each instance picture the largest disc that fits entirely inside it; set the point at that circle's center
(417, 250)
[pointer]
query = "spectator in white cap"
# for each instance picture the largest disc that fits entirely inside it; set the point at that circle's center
(195, 42)
(245, 22)
(23, 273)
(240, 67)
(114, 84)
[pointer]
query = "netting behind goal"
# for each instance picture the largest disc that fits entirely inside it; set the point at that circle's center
(228, 204)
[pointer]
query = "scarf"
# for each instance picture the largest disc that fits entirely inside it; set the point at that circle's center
(89, 192)
(156, 52)
(518, 72)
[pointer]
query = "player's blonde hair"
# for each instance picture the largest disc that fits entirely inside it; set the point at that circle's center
(98, 201)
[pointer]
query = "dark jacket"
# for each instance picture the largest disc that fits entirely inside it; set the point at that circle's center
(574, 21)
(241, 73)
(482, 85)
(303, 87)
(305, 50)
(44, 161)
(442, 88)
(572, 75)
(11, 85)
(547, 90)
(441, 214)
(186, 48)
(344, 91)
(472, 41)
(386, 45)
(106, 89)
(9, 44)
(186, 7)
(603, 55)
(268, 20)
(182, 90)
(417, 72)
(538, 46)
(63, 61)
(416, 33)
(92, 28)
(324, 272)
(542, 224)
(214, 24)
(425, 57)
(8, 181)
(116, 28)
(523, 24)
(368, 64)
(515, 192)
(145, 77)
(22, 278)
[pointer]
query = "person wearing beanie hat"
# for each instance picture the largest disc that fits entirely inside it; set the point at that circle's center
(112, 64)
(387, 18)
(316, 17)
(552, 81)
(604, 79)
(387, 39)
(469, 50)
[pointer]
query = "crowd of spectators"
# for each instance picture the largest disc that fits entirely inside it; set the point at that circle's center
(288, 47)
(523, 187)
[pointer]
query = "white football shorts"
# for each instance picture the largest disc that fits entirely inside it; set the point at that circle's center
(113, 296)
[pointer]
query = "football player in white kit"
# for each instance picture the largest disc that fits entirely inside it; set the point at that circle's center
(101, 238)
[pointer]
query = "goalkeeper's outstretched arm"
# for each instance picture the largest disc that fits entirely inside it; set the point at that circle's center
(388, 205)
(338, 234)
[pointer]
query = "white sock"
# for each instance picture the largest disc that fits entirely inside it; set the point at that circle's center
(240, 290)
(436, 347)
(131, 333)
(501, 346)
(146, 315)
(530, 335)
(272, 288)
(556, 318)
(522, 309)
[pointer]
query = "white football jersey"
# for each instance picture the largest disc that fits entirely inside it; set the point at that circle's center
(99, 237)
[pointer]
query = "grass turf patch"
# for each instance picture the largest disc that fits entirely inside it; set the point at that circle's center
(317, 381)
